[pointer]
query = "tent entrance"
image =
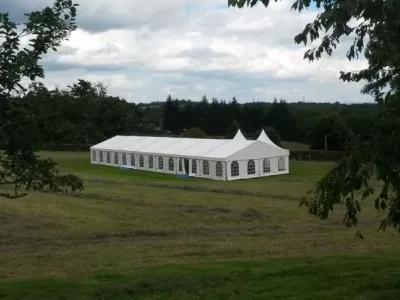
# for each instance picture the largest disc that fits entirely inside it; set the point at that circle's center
(186, 162)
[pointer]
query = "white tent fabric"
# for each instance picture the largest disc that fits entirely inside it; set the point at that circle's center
(197, 153)
(263, 137)
(239, 136)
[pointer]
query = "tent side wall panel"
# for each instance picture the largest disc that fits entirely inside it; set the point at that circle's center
(274, 166)
(243, 169)
(257, 171)
(212, 170)
(259, 168)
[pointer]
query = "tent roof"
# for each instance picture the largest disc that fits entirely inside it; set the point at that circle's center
(186, 147)
(239, 136)
(263, 137)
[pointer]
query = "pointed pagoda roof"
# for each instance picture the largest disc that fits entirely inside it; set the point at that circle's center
(263, 137)
(239, 136)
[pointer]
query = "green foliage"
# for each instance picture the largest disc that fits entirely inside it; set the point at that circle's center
(233, 129)
(20, 168)
(376, 35)
(281, 118)
(273, 135)
(171, 116)
(330, 129)
(48, 29)
(194, 132)
(85, 114)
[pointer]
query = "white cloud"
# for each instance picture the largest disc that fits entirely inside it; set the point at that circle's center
(145, 50)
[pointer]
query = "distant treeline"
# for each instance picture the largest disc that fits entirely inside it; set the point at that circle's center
(85, 114)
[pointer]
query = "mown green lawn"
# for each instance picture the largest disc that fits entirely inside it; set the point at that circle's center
(142, 235)
(338, 277)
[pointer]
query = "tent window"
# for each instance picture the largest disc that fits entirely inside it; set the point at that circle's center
(171, 165)
(124, 159)
(133, 160)
(101, 156)
(251, 167)
(180, 165)
(206, 168)
(281, 164)
(108, 157)
(94, 158)
(141, 161)
(194, 167)
(234, 169)
(160, 163)
(266, 165)
(151, 162)
(116, 158)
(218, 169)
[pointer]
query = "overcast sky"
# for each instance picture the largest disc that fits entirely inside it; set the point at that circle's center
(145, 50)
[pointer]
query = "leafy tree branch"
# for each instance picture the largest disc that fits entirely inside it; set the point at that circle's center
(20, 168)
(376, 161)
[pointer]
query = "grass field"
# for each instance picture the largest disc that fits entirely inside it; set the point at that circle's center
(141, 235)
(295, 146)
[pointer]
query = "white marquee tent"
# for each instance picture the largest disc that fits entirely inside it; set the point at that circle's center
(220, 159)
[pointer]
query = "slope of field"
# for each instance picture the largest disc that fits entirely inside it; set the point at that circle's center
(141, 235)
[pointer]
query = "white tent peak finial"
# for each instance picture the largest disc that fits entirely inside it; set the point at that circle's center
(263, 137)
(239, 135)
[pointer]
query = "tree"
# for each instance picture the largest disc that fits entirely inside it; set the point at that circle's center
(379, 157)
(171, 115)
(331, 130)
(20, 167)
(280, 117)
(233, 129)
(273, 134)
(195, 132)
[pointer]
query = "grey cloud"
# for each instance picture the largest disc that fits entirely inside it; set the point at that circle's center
(102, 15)
(109, 48)
(52, 66)
(17, 8)
(223, 85)
(202, 56)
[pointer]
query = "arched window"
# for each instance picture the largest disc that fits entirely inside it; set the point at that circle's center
(94, 156)
(124, 159)
(218, 169)
(151, 162)
(234, 169)
(251, 167)
(141, 161)
(171, 165)
(160, 163)
(194, 167)
(101, 156)
(133, 162)
(266, 165)
(108, 157)
(116, 158)
(180, 165)
(206, 168)
(281, 164)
